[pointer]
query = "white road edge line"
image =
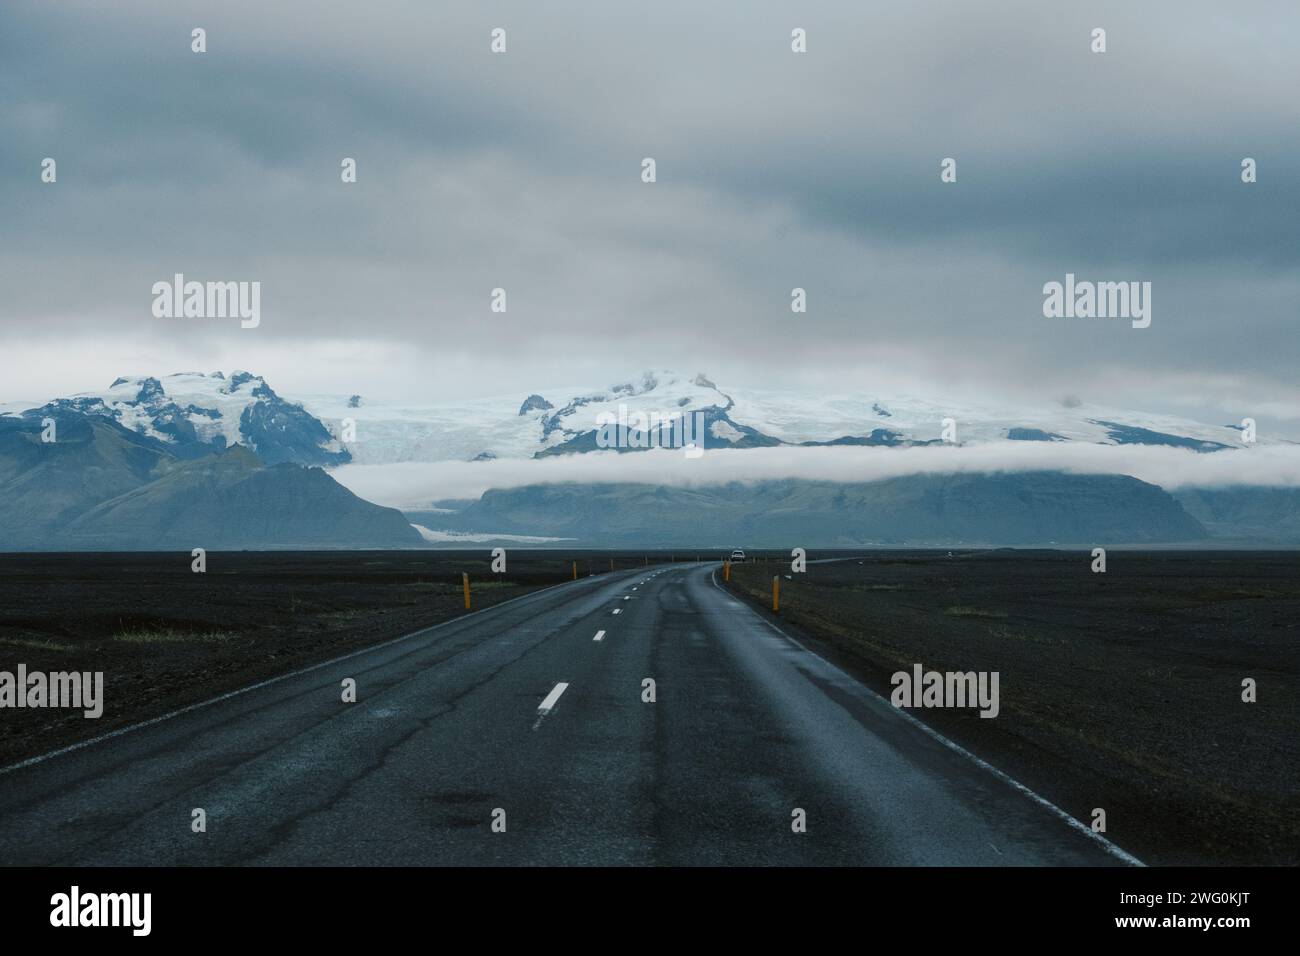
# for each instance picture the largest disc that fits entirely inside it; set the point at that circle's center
(600, 636)
(266, 683)
(1083, 828)
(552, 697)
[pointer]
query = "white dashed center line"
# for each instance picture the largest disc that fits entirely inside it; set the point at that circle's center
(600, 636)
(551, 698)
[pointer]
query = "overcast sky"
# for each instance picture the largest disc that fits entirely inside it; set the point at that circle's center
(775, 170)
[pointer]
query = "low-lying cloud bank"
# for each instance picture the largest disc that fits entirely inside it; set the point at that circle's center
(414, 485)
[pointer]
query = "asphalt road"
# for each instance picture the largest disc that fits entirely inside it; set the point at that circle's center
(520, 708)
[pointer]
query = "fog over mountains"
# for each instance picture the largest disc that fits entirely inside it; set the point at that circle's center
(217, 460)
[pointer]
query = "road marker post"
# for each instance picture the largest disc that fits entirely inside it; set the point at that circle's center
(611, 564)
(776, 592)
(575, 570)
(726, 570)
(464, 580)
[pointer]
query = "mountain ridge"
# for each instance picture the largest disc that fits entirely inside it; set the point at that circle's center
(1020, 509)
(195, 413)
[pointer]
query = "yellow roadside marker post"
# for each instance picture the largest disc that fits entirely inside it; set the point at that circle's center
(464, 580)
(776, 592)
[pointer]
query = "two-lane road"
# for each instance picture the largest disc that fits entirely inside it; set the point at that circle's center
(534, 714)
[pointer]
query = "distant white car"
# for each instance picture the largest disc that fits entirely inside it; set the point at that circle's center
(737, 555)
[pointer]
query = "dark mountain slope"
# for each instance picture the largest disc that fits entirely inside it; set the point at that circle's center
(975, 509)
(100, 486)
(1255, 515)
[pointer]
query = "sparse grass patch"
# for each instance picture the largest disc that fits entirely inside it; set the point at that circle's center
(961, 610)
(343, 618)
(36, 644)
(170, 635)
(454, 587)
(1005, 634)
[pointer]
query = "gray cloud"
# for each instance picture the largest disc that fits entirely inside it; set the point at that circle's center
(775, 170)
(415, 484)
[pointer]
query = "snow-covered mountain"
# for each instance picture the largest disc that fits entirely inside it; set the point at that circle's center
(535, 425)
(196, 413)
